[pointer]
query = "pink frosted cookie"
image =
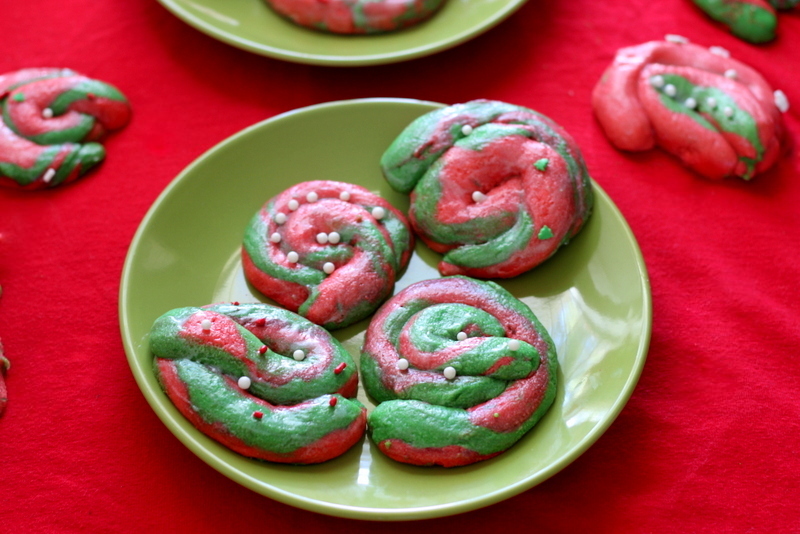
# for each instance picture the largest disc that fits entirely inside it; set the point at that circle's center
(717, 115)
(496, 188)
(330, 251)
(355, 16)
(260, 380)
(52, 120)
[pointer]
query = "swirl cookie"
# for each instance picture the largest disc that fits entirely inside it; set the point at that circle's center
(52, 120)
(461, 369)
(717, 115)
(355, 16)
(329, 251)
(751, 20)
(495, 188)
(261, 380)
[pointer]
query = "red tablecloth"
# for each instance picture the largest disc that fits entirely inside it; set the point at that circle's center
(707, 442)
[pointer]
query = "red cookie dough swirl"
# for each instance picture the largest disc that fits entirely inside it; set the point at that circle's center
(261, 380)
(717, 115)
(356, 16)
(461, 369)
(330, 251)
(496, 188)
(51, 121)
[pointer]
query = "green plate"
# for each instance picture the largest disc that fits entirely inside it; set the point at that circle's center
(252, 25)
(593, 296)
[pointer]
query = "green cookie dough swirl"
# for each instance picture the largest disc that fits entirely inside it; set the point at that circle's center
(461, 370)
(752, 20)
(51, 122)
(259, 379)
(496, 188)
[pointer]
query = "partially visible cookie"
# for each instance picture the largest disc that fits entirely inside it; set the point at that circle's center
(356, 16)
(752, 20)
(719, 116)
(496, 188)
(52, 120)
(330, 251)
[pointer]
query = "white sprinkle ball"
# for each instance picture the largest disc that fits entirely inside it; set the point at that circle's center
(328, 267)
(670, 90)
(293, 204)
(402, 364)
(711, 102)
(244, 382)
(275, 237)
(344, 195)
(672, 38)
(466, 129)
(513, 344)
(781, 101)
(312, 197)
(205, 325)
(280, 218)
(322, 238)
(461, 336)
(477, 196)
(293, 257)
(47, 113)
(378, 212)
(731, 73)
(728, 111)
(334, 238)
(690, 103)
(449, 373)
(719, 51)
(657, 81)
(49, 175)
(299, 355)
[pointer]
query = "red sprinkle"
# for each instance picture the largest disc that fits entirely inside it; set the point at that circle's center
(262, 350)
(258, 415)
(339, 368)
(90, 96)
(261, 322)
(235, 302)
(333, 401)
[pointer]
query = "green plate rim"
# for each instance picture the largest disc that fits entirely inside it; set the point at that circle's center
(360, 512)
(364, 59)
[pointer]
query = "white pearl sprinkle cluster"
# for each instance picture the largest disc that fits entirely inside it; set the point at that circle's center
(333, 238)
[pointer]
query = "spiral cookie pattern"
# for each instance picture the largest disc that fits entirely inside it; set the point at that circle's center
(496, 188)
(461, 369)
(261, 380)
(717, 115)
(330, 251)
(751, 20)
(51, 121)
(356, 16)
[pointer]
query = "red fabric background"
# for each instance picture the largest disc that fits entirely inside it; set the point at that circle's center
(708, 441)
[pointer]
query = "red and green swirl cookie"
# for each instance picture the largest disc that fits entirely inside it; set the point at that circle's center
(717, 115)
(461, 369)
(496, 188)
(330, 251)
(356, 16)
(261, 380)
(52, 120)
(752, 20)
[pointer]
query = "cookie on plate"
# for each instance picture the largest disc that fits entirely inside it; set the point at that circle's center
(496, 188)
(461, 370)
(260, 380)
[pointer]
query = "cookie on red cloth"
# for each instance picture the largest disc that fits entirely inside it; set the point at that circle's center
(717, 115)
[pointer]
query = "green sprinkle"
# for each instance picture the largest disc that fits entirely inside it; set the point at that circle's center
(19, 97)
(545, 232)
(387, 444)
(542, 164)
(496, 415)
